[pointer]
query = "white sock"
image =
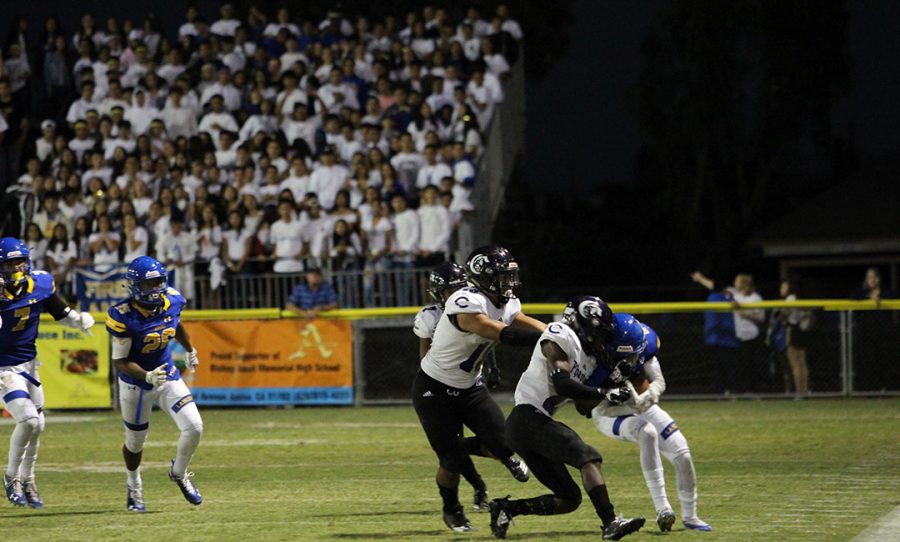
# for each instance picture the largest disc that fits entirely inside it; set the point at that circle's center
(187, 445)
(652, 467)
(26, 469)
(17, 443)
(656, 483)
(134, 478)
(686, 478)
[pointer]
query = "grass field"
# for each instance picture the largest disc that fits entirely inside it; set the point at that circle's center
(777, 470)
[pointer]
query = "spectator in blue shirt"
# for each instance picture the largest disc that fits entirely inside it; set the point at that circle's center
(313, 295)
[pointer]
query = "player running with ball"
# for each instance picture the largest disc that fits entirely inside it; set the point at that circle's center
(142, 328)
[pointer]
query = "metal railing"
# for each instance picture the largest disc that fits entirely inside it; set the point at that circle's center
(355, 289)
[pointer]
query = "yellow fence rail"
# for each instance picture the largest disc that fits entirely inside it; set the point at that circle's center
(545, 309)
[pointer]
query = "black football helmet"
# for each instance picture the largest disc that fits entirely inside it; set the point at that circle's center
(591, 319)
(445, 279)
(494, 271)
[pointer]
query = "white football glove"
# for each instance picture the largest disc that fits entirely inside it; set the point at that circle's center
(191, 360)
(86, 322)
(79, 320)
(156, 377)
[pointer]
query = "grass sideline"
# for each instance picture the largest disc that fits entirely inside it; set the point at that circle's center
(787, 470)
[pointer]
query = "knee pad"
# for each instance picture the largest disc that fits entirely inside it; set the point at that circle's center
(647, 435)
(134, 440)
(40, 424)
(33, 425)
(195, 429)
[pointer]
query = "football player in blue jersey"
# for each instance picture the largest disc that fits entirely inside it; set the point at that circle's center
(642, 421)
(142, 328)
(24, 294)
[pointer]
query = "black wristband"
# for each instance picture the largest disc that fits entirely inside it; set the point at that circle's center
(56, 307)
(519, 336)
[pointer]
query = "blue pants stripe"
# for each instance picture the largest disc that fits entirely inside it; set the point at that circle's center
(618, 423)
(28, 377)
(16, 394)
(137, 415)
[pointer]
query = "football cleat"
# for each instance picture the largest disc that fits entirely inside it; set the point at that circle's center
(517, 468)
(14, 491)
(134, 500)
(457, 521)
(621, 527)
(665, 519)
(697, 524)
(500, 517)
(188, 489)
(481, 503)
(32, 496)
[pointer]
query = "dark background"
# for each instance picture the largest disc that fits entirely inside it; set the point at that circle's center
(663, 136)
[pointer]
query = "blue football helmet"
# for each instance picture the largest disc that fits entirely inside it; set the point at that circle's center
(445, 279)
(146, 278)
(652, 342)
(15, 262)
(625, 344)
(591, 319)
(494, 271)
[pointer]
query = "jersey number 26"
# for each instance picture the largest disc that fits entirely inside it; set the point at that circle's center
(157, 341)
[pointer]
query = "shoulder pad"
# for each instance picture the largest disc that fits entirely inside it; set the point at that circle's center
(466, 300)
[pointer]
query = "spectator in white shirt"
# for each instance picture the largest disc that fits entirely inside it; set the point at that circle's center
(291, 95)
(377, 232)
(237, 241)
(227, 25)
(436, 229)
(37, 246)
(344, 246)
(218, 119)
(104, 244)
(316, 229)
(286, 235)
(62, 253)
(180, 120)
(407, 162)
(264, 122)
(136, 238)
(433, 171)
(177, 249)
(298, 180)
(407, 231)
(300, 126)
(282, 20)
(223, 86)
(79, 108)
(509, 25)
(231, 57)
(328, 178)
(348, 145)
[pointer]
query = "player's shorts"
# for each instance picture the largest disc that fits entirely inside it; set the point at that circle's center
(22, 382)
(174, 397)
(530, 432)
(443, 410)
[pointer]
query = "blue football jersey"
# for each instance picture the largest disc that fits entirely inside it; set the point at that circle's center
(20, 317)
(150, 333)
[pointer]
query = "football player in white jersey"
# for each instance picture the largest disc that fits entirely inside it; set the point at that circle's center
(448, 391)
(568, 353)
(443, 280)
(641, 421)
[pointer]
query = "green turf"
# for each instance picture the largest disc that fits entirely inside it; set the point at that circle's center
(776, 470)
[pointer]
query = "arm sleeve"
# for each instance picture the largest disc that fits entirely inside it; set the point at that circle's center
(121, 346)
(519, 336)
(56, 307)
(567, 387)
(655, 376)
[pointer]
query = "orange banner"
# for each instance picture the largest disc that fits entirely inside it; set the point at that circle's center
(268, 362)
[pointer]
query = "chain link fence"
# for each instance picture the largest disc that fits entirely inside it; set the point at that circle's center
(848, 353)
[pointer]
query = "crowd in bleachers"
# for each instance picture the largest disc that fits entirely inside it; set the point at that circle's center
(249, 143)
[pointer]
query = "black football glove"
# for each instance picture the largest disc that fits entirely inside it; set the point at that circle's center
(617, 396)
(491, 373)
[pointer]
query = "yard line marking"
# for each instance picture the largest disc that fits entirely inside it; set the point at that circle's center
(884, 529)
(56, 419)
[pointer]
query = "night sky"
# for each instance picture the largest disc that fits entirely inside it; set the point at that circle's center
(579, 133)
